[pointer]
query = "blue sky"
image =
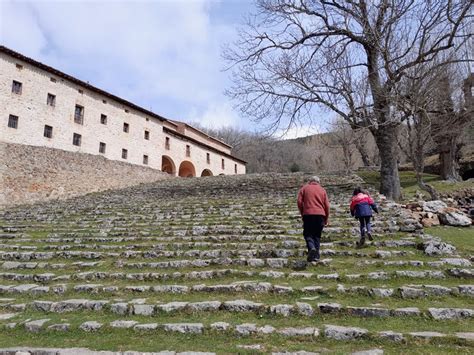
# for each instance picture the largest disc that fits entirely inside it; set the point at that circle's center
(164, 55)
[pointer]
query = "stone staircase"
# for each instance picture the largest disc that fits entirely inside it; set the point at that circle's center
(217, 265)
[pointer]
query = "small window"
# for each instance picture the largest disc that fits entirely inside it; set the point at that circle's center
(208, 158)
(167, 143)
(147, 119)
(223, 164)
(19, 66)
(51, 100)
(48, 131)
(145, 159)
(103, 119)
(79, 114)
(235, 168)
(102, 147)
(127, 111)
(124, 153)
(147, 135)
(76, 139)
(13, 121)
(53, 79)
(126, 127)
(188, 150)
(104, 101)
(16, 87)
(80, 91)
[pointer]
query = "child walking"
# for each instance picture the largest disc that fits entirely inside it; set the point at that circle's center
(361, 208)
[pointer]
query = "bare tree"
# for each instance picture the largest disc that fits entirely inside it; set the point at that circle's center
(288, 53)
(343, 137)
(451, 114)
(416, 134)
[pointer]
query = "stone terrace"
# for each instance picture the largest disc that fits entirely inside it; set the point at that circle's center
(215, 265)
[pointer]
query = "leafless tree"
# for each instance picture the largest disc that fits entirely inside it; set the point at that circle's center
(414, 103)
(290, 50)
(452, 112)
(343, 137)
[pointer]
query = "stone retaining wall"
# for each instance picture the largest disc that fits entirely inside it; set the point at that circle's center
(30, 174)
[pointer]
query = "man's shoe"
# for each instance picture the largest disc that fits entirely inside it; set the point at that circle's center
(370, 236)
(312, 254)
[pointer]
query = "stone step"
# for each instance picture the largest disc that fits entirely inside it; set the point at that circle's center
(46, 278)
(335, 332)
(405, 291)
(245, 306)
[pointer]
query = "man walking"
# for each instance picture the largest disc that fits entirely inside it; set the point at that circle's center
(313, 204)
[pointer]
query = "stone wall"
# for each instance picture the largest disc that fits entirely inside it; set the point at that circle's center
(30, 174)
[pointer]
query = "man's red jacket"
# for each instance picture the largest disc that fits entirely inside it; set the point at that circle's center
(312, 199)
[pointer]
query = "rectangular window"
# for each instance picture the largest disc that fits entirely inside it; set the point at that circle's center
(124, 153)
(127, 111)
(76, 139)
(16, 87)
(188, 150)
(53, 79)
(235, 168)
(104, 101)
(19, 66)
(147, 135)
(13, 121)
(79, 114)
(80, 91)
(102, 147)
(223, 164)
(126, 127)
(103, 119)
(48, 131)
(208, 158)
(51, 100)
(145, 159)
(167, 143)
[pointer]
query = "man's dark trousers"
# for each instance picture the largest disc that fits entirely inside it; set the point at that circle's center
(312, 228)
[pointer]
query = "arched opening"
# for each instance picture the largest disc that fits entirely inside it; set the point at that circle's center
(186, 169)
(206, 172)
(468, 174)
(167, 165)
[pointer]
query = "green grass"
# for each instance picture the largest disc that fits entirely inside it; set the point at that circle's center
(123, 340)
(115, 339)
(410, 186)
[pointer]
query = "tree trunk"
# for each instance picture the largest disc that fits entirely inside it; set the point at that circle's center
(386, 140)
(449, 166)
(362, 149)
(426, 187)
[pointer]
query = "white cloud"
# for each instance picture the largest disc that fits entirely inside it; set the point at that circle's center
(159, 54)
(297, 131)
(19, 28)
(216, 115)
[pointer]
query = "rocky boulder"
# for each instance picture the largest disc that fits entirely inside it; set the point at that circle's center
(437, 248)
(453, 217)
(434, 206)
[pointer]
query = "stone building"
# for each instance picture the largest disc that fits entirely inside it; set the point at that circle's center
(41, 106)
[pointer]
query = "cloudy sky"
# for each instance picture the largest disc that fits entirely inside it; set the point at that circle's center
(164, 55)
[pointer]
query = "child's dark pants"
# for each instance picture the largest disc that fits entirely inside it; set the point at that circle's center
(365, 226)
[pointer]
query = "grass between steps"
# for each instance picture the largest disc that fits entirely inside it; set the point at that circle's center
(123, 340)
(115, 339)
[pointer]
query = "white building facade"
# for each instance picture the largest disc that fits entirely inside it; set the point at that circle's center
(41, 106)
